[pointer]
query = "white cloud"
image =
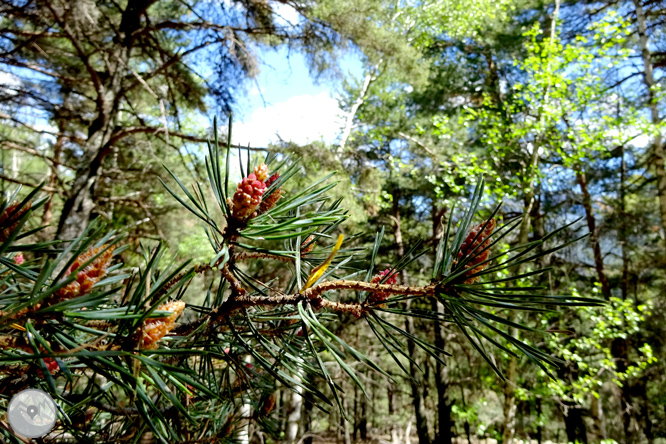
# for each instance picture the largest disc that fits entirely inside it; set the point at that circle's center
(300, 119)
(286, 14)
(9, 80)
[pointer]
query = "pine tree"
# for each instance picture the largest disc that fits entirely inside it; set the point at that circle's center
(126, 358)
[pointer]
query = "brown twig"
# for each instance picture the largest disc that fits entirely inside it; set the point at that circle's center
(251, 255)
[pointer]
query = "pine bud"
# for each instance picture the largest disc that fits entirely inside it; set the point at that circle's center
(155, 329)
(9, 219)
(19, 259)
(481, 254)
(51, 365)
(307, 245)
(247, 197)
(379, 296)
(270, 200)
(89, 276)
(261, 172)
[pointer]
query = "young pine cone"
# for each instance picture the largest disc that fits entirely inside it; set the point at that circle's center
(379, 296)
(155, 329)
(481, 254)
(247, 197)
(270, 200)
(9, 219)
(87, 277)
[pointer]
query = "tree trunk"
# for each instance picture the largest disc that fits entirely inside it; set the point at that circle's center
(295, 416)
(539, 412)
(53, 178)
(418, 400)
(651, 84)
(574, 423)
(596, 409)
(395, 434)
(370, 77)
(594, 236)
(640, 392)
(79, 205)
(509, 406)
(597, 414)
(623, 227)
(363, 419)
(308, 406)
(243, 429)
(445, 421)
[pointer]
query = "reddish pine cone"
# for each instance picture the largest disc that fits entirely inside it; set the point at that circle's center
(380, 296)
(470, 244)
(247, 197)
(261, 172)
(155, 329)
(270, 200)
(10, 218)
(89, 276)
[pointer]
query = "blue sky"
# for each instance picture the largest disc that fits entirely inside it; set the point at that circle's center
(286, 100)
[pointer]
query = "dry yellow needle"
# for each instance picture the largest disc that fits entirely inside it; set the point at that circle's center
(318, 271)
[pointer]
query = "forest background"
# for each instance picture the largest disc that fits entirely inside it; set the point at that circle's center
(559, 105)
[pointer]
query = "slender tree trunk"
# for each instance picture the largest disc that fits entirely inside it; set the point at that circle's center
(295, 416)
(597, 414)
(445, 421)
(346, 428)
(363, 419)
(349, 121)
(539, 412)
(418, 398)
(640, 392)
(651, 84)
(623, 227)
(395, 438)
(308, 406)
(243, 429)
(53, 178)
(594, 236)
(509, 406)
(596, 408)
